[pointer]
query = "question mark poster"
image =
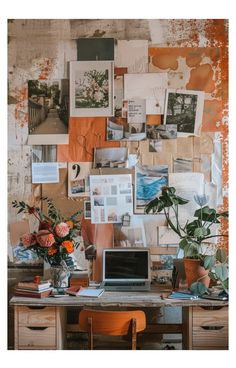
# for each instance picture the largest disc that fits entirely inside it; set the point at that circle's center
(78, 179)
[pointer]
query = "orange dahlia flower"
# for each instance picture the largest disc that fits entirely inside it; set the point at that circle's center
(70, 224)
(68, 245)
(52, 251)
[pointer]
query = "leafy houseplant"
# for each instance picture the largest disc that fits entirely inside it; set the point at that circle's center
(193, 234)
(55, 240)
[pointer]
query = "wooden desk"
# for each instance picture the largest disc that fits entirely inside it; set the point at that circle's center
(41, 323)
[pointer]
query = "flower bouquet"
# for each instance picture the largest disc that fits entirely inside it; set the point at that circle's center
(55, 240)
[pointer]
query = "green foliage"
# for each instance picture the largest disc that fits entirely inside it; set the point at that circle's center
(194, 233)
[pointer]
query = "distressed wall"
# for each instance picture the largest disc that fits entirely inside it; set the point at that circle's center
(41, 49)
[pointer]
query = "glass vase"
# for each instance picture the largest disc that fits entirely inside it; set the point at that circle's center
(59, 277)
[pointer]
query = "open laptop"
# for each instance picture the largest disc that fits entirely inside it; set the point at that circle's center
(126, 269)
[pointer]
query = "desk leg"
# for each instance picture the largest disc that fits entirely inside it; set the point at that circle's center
(61, 328)
(187, 320)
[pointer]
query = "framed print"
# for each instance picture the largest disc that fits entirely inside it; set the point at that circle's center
(185, 109)
(91, 88)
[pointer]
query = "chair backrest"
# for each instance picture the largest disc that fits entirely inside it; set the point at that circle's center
(112, 323)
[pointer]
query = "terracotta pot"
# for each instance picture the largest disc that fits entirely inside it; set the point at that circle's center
(194, 272)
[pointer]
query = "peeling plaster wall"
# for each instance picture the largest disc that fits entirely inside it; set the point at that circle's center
(41, 49)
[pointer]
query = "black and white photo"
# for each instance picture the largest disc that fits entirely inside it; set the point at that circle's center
(185, 109)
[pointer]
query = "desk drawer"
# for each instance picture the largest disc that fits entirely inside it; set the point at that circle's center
(210, 328)
(37, 316)
(37, 338)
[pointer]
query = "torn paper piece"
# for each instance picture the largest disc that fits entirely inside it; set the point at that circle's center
(216, 169)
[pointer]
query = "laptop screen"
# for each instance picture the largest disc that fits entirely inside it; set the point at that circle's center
(126, 264)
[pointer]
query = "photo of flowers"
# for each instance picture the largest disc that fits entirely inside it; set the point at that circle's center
(91, 88)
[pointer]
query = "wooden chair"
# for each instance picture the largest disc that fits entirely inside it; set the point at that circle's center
(112, 323)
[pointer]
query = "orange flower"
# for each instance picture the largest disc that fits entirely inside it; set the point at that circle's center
(68, 245)
(70, 224)
(52, 250)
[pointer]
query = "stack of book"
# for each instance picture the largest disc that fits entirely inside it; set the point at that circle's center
(79, 278)
(33, 290)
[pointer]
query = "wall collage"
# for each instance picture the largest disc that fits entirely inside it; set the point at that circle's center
(107, 122)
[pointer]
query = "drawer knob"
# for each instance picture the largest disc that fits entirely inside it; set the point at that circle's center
(212, 328)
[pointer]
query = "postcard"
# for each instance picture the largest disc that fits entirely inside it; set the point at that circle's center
(91, 88)
(148, 86)
(111, 197)
(148, 183)
(78, 179)
(48, 111)
(111, 157)
(185, 109)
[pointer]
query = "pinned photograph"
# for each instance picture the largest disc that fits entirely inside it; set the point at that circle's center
(111, 157)
(168, 131)
(44, 153)
(185, 109)
(48, 107)
(155, 145)
(87, 209)
(118, 129)
(91, 88)
(119, 90)
(78, 179)
(148, 183)
(115, 129)
(182, 164)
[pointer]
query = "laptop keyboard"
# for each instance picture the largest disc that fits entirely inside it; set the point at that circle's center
(124, 284)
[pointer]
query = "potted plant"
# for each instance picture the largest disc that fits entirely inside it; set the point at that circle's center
(211, 263)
